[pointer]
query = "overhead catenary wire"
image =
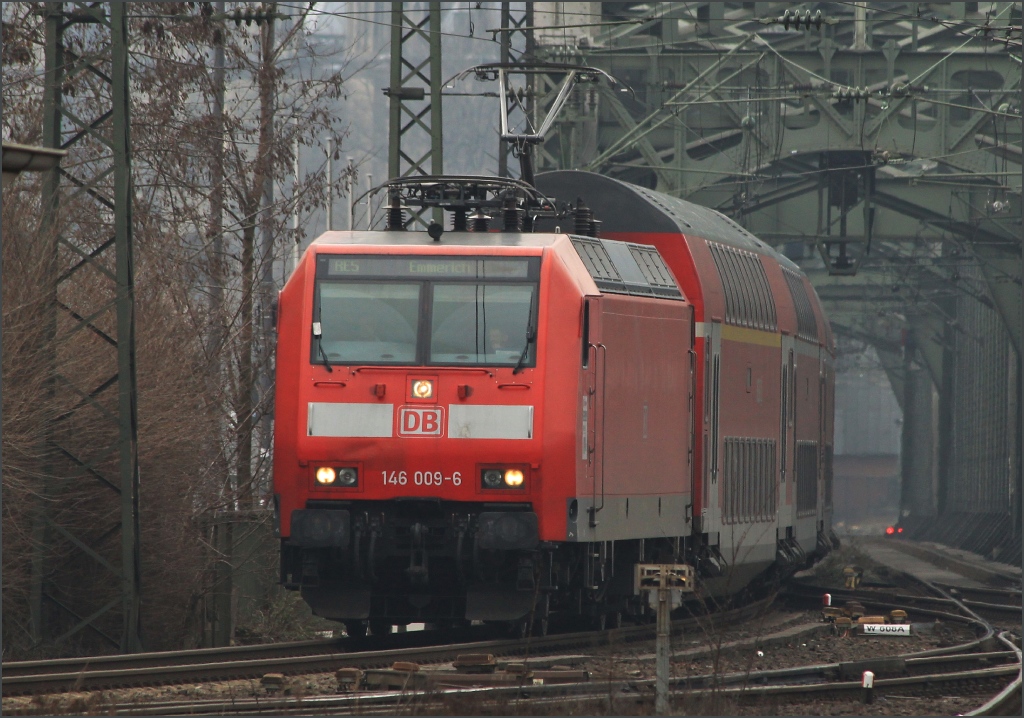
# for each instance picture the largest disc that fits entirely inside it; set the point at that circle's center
(950, 24)
(354, 16)
(360, 15)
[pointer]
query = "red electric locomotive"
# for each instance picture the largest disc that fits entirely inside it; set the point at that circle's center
(497, 424)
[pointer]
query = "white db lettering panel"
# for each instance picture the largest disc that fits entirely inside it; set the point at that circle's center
(350, 420)
(490, 422)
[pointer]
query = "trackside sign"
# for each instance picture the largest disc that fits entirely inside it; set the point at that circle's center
(885, 629)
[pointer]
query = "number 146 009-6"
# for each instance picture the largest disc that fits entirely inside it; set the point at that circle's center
(420, 478)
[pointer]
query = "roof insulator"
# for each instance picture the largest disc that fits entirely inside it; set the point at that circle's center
(513, 216)
(583, 217)
(480, 222)
(396, 217)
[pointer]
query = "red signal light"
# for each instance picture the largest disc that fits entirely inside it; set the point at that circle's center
(889, 531)
(899, 530)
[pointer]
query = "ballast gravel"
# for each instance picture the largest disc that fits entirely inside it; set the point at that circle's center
(780, 638)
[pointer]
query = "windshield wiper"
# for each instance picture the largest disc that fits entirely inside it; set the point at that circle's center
(531, 336)
(318, 333)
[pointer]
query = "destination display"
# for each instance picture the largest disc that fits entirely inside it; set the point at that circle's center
(426, 267)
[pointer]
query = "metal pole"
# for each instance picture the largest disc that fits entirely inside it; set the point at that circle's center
(436, 82)
(131, 560)
(217, 613)
(52, 137)
(506, 47)
(395, 107)
(860, 26)
(267, 287)
(295, 207)
(661, 689)
(1016, 502)
(350, 186)
(369, 209)
(330, 183)
(908, 448)
(218, 332)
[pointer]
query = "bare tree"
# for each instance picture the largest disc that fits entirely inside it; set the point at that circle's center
(206, 145)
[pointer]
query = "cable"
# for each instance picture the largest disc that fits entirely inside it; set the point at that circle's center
(352, 16)
(935, 179)
(952, 25)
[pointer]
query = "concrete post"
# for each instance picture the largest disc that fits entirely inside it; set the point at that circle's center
(661, 690)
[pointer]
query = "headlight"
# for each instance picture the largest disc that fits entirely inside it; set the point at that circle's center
(326, 475)
(348, 476)
(514, 478)
(492, 478)
(422, 389)
(501, 477)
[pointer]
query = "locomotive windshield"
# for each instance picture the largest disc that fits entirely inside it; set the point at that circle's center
(364, 322)
(481, 323)
(426, 310)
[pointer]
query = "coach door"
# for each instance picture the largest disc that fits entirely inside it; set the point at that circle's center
(825, 418)
(787, 432)
(710, 517)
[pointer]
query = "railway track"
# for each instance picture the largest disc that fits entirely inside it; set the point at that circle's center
(1005, 598)
(1000, 612)
(1006, 701)
(990, 575)
(970, 672)
(107, 672)
(965, 673)
(232, 654)
(989, 665)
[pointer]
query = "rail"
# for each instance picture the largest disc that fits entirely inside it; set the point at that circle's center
(802, 683)
(990, 663)
(104, 672)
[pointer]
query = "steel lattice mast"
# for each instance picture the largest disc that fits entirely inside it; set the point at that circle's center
(87, 208)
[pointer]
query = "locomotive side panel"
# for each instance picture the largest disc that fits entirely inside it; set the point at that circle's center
(561, 334)
(642, 419)
(290, 371)
(692, 264)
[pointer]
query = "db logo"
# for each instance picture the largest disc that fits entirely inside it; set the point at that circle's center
(420, 421)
